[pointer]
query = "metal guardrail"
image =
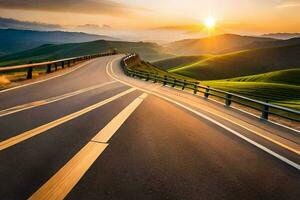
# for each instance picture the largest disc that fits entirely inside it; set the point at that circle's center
(265, 108)
(55, 63)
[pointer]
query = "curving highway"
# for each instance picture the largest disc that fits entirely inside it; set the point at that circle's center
(93, 133)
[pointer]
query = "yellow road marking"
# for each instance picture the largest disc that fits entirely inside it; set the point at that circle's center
(31, 133)
(107, 132)
(67, 177)
(49, 100)
(59, 185)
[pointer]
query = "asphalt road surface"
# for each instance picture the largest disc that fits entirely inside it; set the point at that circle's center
(94, 133)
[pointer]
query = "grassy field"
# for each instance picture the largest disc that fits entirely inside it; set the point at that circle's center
(237, 64)
(179, 61)
(290, 77)
(279, 87)
(280, 94)
(148, 51)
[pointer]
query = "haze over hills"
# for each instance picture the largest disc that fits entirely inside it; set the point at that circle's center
(243, 63)
(283, 36)
(148, 51)
(13, 40)
(276, 43)
(214, 45)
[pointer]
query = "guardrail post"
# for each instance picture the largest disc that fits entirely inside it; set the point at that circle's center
(184, 85)
(165, 80)
(265, 112)
(228, 100)
(29, 73)
(63, 64)
(196, 88)
(206, 93)
(155, 78)
(174, 84)
(48, 68)
(55, 65)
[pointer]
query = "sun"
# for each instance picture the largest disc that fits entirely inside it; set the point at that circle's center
(210, 22)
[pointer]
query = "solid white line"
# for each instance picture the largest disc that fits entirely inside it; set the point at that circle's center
(282, 158)
(59, 185)
(28, 84)
(36, 131)
(34, 104)
(239, 109)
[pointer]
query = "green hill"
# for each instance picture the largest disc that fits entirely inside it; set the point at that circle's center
(178, 61)
(290, 77)
(148, 51)
(243, 63)
(281, 94)
(279, 87)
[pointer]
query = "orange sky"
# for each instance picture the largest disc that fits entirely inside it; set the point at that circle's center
(255, 16)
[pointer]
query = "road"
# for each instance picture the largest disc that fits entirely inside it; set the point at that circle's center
(94, 133)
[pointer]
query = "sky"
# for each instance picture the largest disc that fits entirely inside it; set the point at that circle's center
(155, 18)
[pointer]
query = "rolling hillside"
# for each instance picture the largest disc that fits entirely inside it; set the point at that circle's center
(148, 51)
(219, 44)
(243, 63)
(277, 43)
(280, 94)
(178, 61)
(13, 40)
(290, 77)
(279, 87)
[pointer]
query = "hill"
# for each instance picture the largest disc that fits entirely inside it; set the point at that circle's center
(243, 63)
(219, 44)
(13, 40)
(148, 51)
(279, 87)
(283, 36)
(276, 43)
(290, 77)
(178, 61)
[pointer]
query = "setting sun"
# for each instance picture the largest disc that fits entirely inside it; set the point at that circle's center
(210, 22)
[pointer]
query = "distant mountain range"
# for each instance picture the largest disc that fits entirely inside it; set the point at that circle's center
(214, 45)
(283, 36)
(226, 43)
(13, 40)
(148, 51)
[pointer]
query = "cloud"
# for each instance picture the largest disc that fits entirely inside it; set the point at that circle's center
(95, 26)
(289, 4)
(190, 27)
(101, 7)
(16, 24)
